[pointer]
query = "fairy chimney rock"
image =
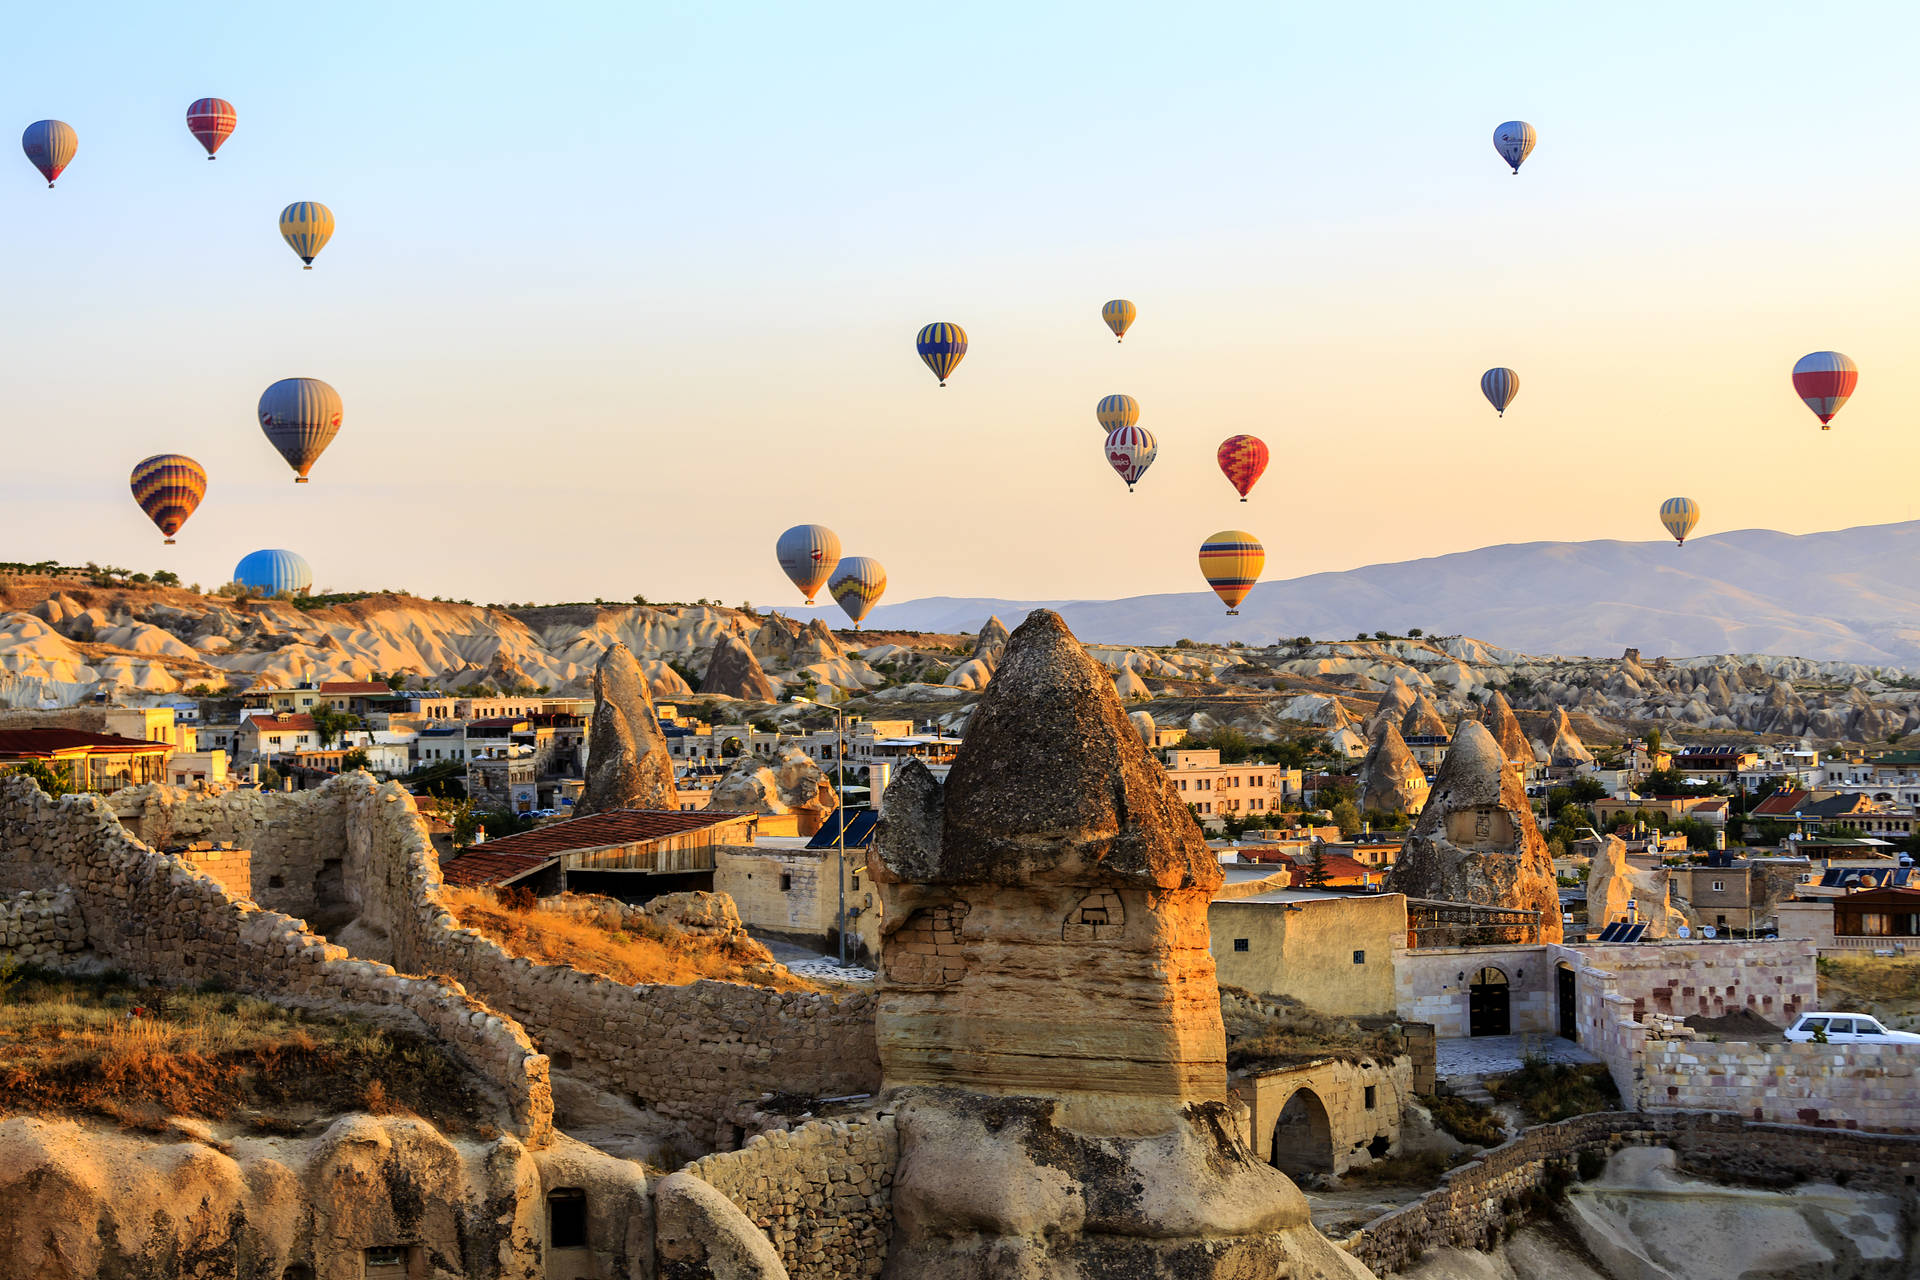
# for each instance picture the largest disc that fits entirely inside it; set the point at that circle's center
(627, 762)
(1391, 780)
(1476, 841)
(733, 672)
(1393, 705)
(1565, 747)
(1422, 719)
(1506, 730)
(1046, 908)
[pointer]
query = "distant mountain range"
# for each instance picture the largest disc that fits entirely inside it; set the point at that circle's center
(1850, 595)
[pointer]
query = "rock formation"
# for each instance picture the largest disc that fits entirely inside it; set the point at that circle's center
(750, 785)
(1422, 719)
(992, 640)
(1129, 685)
(699, 1234)
(1565, 747)
(1612, 883)
(1476, 840)
(1047, 1010)
(1506, 730)
(1394, 705)
(1143, 721)
(733, 672)
(627, 762)
(1391, 780)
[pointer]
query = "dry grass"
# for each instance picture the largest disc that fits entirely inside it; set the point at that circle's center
(643, 953)
(1886, 986)
(1271, 1031)
(1548, 1091)
(104, 1046)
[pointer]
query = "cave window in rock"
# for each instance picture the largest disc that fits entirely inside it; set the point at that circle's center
(926, 950)
(388, 1262)
(1303, 1137)
(1097, 917)
(1488, 1004)
(567, 1218)
(297, 1271)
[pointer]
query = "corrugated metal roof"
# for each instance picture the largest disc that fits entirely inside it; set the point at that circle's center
(500, 860)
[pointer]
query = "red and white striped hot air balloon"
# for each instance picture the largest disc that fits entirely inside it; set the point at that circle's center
(1824, 380)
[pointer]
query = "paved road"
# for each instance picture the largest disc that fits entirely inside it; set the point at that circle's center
(1489, 1055)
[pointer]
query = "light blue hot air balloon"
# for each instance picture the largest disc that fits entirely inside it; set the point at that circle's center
(1514, 141)
(272, 572)
(808, 554)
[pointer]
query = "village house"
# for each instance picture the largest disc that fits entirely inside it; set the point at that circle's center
(630, 854)
(267, 738)
(1715, 764)
(91, 761)
(786, 885)
(1216, 791)
(1880, 920)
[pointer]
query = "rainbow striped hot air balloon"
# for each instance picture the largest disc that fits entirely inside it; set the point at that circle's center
(274, 572)
(211, 121)
(168, 486)
(1231, 561)
(1824, 380)
(1119, 316)
(306, 226)
(1243, 459)
(301, 416)
(1500, 386)
(50, 145)
(943, 347)
(1680, 515)
(1514, 141)
(857, 585)
(1130, 451)
(808, 554)
(1116, 411)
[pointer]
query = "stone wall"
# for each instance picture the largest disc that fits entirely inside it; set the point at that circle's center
(1430, 985)
(1350, 1104)
(41, 926)
(221, 862)
(822, 1193)
(154, 916)
(294, 838)
(1334, 954)
(1478, 1203)
(1863, 1086)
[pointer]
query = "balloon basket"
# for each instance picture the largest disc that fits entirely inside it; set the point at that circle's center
(1233, 613)
(308, 267)
(300, 480)
(168, 542)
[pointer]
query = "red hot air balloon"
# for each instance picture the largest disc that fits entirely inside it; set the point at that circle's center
(1243, 459)
(211, 120)
(1824, 380)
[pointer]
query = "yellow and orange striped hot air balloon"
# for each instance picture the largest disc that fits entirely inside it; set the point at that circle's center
(168, 486)
(1243, 460)
(1231, 561)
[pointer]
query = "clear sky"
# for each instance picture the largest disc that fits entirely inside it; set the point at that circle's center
(620, 291)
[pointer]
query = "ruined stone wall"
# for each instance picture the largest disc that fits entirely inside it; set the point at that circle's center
(822, 1193)
(1478, 1203)
(155, 916)
(1856, 1086)
(41, 926)
(1341, 1087)
(295, 838)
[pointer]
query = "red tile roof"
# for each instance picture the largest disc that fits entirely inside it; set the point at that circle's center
(353, 686)
(19, 743)
(279, 724)
(1781, 802)
(515, 855)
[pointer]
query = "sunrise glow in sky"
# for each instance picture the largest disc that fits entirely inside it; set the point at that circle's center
(620, 291)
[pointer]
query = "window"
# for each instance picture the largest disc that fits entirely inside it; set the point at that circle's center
(1719, 886)
(856, 882)
(1240, 944)
(1370, 1096)
(786, 881)
(1359, 957)
(567, 1218)
(386, 1255)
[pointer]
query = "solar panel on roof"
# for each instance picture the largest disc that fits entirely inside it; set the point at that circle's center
(1612, 932)
(1634, 933)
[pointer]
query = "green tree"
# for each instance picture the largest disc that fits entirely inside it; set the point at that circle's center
(166, 578)
(331, 724)
(356, 759)
(1414, 633)
(1653, 741)
(1316, 876)
(1346, 816)
(54, 779)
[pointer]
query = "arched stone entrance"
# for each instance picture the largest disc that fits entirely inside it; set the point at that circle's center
(1489, 1008)
(1303, 1137)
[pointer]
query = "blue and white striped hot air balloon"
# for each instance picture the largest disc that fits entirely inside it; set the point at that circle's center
(273, 572)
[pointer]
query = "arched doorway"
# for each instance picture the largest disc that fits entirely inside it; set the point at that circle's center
(1302, 1137)
(1488, 1010)
(1569, 1002)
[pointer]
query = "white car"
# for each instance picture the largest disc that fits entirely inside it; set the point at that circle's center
(1847, 1028)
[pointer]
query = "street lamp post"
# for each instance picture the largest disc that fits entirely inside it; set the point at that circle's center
(839, 815)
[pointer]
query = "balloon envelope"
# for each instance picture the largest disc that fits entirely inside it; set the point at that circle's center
(1514, 141)
(942, 346)
(306, 226)
(808, 554)
(1680, 515)
(1824, 380)
(857, 586)
(301, 416)
(272, 572)
(168, 486)
(1242, 460)
(1500, 386)
(1119, 316)
(211, 120)
(1231, 561)
(1130, 451)
(50, 145)
(1116, 411)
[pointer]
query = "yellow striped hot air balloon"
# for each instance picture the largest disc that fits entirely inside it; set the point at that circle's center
(857, 585)
(1119, 316)
(168, 486)
(306, 226)
(942, 346)
(1231, 561)
(1114, 412)
(1680, 515)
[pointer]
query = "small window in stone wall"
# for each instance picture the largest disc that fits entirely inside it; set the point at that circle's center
(926, 950)
(1370, 1096)
(1241, 944)
(386, 1261)
(567, 1218)
(1359, 957)
(786, 881)
(1097, 917)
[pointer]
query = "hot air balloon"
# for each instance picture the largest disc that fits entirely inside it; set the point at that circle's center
(1231, 561)
(50, 145)
(1824, 380)
(857, 586)
(1680, 515)
(301, 416)
(1500, 386)
(306, 226)
(1130, 452)
(168, 486)
(942, 346)
(273, 572)
(1119, 316)
(807, 554)
(211, 120)
(1116, 411)
(1242, 460)
(1514, 141)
